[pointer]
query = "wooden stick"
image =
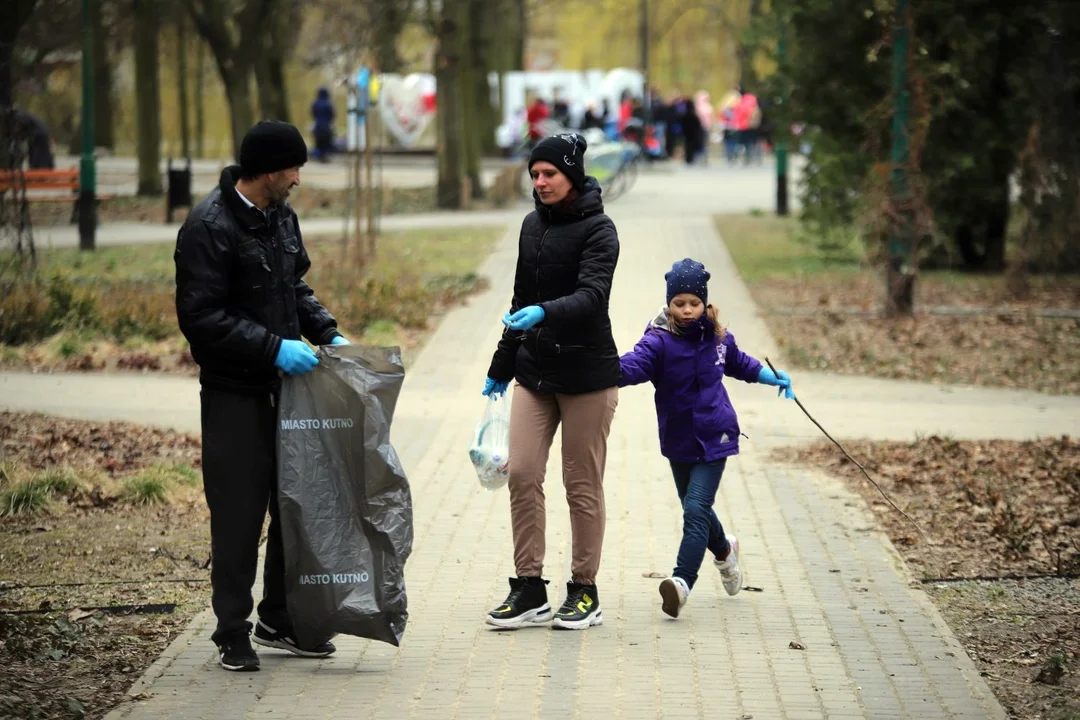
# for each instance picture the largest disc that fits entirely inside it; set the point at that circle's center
(857, 463)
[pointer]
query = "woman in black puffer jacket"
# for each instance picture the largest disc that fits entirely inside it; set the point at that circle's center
(558, 347)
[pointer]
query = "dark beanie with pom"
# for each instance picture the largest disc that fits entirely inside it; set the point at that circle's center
(566, 151)
(270, 146)
(688, 276)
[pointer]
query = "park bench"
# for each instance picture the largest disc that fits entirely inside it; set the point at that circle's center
(48, 186)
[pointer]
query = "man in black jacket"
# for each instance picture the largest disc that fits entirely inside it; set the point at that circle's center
(243, 305)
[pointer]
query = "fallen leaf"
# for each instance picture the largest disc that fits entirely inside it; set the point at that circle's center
(77, 615)
(796, 645)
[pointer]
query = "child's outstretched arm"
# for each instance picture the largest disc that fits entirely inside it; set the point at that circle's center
(746, 367)
(639, 365)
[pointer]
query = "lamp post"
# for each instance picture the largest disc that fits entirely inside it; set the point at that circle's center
(87, 171)
(781, 140)
(901, 278)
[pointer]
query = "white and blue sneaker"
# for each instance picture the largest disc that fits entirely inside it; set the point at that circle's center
(674, 591)
(730, 574)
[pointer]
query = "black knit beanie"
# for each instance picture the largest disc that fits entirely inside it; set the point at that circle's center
(566, 152)
(688, 276)
(270, 146)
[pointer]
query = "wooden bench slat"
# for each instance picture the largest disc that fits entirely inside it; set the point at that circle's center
(41, 179)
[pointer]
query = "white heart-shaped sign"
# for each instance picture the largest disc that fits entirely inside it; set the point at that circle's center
(407, 105)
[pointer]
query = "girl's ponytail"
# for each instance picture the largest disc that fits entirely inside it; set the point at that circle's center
(714, 315)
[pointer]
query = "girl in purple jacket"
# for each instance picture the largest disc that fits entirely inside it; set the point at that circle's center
(686, 353)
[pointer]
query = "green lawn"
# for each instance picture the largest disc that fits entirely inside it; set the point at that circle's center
(451, 251)
(765, 246)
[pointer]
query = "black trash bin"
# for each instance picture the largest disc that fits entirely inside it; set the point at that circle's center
(178, 193)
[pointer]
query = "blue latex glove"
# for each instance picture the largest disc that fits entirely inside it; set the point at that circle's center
(524, 319)
(767, 377)
(339, 340)
(294, 357)
(495, 386)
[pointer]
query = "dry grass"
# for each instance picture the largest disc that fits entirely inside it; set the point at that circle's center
(114, 308)
(824, 310)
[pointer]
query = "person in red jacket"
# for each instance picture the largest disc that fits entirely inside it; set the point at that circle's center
(538, 112)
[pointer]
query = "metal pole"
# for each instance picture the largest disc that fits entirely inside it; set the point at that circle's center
(87, 170)
(781, 144)
(900, 275)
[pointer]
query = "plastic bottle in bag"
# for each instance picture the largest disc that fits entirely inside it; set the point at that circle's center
(490, 450)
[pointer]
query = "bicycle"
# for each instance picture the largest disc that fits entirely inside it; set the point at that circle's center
(613, 164)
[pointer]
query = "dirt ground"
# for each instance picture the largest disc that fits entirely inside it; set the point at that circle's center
(1015, 348)
(1003, 558)
(94, 585)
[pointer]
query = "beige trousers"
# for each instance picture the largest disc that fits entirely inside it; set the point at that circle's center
(586, 421)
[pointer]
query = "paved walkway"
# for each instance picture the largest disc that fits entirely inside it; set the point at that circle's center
(134, 233)
(119, 175)
(875, 647)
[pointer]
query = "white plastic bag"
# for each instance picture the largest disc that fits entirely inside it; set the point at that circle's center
(490, 450)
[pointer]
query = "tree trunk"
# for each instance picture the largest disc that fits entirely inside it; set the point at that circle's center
(200, 110)
(270, 72)
(268, 94)
(486, 55)
(181, 86)
(236, 41)
(147, 96)
(980, 237)
(8, 132)
(748, 78)
(519, 21)
(103, 93)
(276, 68)
(471, 102)
(237, 81)
(390, 19)
(15, 18)
(448, 101)
(997, 219)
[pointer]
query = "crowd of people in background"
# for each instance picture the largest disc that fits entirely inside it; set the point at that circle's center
(676, 127)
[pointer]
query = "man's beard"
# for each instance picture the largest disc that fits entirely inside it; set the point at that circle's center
(279, 196)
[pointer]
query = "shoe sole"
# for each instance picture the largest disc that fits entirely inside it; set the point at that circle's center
(596, 618)
(670, 594)
(239, 668)
(281, 645)
(529, 618)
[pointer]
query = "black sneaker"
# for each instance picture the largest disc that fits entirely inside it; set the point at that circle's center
(237, 655)
(581, 609)
(526, 605)
(269, 637)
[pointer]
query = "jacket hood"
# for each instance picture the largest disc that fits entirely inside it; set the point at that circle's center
(660, 322)
(324, 93)
(588, 202)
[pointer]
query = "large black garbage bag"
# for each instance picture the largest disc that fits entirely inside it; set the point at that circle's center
(346, 509)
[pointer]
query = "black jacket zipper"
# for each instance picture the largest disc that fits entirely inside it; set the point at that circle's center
(539, 248)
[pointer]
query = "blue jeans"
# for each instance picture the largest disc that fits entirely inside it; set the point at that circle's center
(697, 484)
